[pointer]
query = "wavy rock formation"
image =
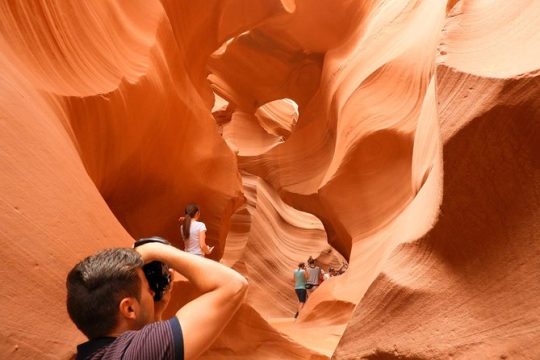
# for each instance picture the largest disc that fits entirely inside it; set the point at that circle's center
(399, 137)
(467, 289)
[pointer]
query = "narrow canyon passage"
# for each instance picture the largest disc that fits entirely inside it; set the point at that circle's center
(398, 137)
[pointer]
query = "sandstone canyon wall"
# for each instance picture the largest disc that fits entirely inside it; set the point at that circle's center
(400, 137)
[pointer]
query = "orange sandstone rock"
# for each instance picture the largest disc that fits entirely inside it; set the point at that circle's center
(400, 135)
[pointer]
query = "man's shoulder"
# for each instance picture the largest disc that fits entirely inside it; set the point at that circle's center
(159, 340)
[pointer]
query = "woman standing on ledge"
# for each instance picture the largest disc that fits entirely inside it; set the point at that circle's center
(194, 232)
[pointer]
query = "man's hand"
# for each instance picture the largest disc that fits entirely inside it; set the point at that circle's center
(203, 318)
(161, 305)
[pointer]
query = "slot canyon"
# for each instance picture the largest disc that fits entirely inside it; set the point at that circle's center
(397, 138)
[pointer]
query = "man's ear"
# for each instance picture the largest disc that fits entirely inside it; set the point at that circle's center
(128, 308)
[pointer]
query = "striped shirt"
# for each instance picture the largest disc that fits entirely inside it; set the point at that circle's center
(159, 340)
(313, 275)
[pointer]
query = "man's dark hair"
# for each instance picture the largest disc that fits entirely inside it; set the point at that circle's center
(96, 285)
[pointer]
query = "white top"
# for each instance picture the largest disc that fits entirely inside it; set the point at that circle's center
(192, 245)
(313, 275)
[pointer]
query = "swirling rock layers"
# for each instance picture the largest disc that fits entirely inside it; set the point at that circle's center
(400, 136)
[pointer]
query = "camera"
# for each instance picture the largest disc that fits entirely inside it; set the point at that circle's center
(156, 272)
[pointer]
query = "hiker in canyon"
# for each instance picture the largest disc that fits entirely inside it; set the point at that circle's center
(314, 273)
(193, 232)
(299, 278)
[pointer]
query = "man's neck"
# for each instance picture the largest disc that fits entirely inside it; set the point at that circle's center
(118, 330)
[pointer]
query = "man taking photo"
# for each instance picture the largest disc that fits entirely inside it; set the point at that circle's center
(112, 303)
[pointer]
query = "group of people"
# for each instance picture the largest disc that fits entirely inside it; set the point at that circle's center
(116, 298)
(307, 280)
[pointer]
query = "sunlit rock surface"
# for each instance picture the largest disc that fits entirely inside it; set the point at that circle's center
(399, 137)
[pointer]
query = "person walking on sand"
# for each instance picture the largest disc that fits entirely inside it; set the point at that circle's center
(300, 277)
(194, 232)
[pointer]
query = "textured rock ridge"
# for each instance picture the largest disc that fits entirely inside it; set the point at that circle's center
(398, 137)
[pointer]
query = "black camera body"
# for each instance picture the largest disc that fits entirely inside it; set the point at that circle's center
(156, 272)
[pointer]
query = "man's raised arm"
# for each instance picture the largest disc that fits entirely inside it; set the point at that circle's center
(203, 318)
